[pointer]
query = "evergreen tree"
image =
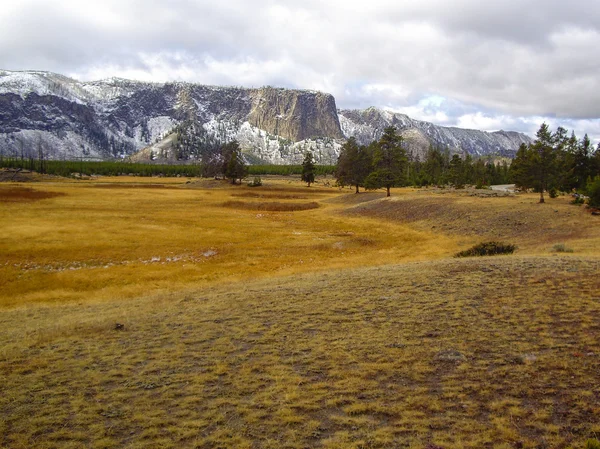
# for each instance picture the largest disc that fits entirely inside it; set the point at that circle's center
(582, 163)
(457, 172)
(354, 164)
(436, 166)
(469, 172)
(308, 169)
(536, 166)
(480, 174)
(389, 162)
(234, 166)
(543, 161)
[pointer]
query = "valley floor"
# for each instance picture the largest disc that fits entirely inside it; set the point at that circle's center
(250, 322)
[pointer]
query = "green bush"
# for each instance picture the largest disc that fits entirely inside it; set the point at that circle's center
(256, 182)
(487, 249)
(578, 201)
(593, 191)
(592, 444)
(561, 248)
(553, 193)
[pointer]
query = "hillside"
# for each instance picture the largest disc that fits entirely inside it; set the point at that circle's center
(368, 125)
(65, 118)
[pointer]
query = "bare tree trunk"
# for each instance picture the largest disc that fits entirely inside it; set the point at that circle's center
(542, 196)
(356, 188)
(388, 191)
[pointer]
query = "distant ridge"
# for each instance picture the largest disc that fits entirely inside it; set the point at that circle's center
(116, 117)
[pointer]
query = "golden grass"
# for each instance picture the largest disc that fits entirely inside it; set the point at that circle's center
(492, 352)
(345, 326)
(97, 244)
(534, 227)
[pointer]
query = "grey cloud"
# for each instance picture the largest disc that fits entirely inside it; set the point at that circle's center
(519, 59)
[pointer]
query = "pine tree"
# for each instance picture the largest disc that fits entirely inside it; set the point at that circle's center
(354, 164)
(389, 162)
(308, 169)
(542, 165)
(518, 168)
(234, 166)
(582, 163)
(457, 172)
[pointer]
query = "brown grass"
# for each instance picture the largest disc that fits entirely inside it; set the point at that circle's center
(18, 194)
(134, 186)
(516, 219)
(486, 353)
(344, 326)
(272, 206)
(269, 195)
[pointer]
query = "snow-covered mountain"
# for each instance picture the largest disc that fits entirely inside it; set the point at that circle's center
(368, 125)
(66, 118)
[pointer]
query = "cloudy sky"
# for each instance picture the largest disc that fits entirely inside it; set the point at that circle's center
(470, 63)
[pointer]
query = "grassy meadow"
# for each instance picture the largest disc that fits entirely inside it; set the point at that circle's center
(284, 316)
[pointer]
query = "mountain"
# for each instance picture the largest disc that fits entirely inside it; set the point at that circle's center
(66, 118)
(368, 125)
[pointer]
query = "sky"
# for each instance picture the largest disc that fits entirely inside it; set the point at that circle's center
(486, 65)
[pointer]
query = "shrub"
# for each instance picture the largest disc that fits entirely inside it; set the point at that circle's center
(578, 200)
(487, 249)
(592, 444)
(553, 193)
(561, 248)
(593, 191)
(256, 182)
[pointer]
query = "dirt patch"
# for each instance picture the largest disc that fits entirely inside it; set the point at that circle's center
(134, 186)
(25, 194)
(354, 198)
(271, 206)
(279, 196)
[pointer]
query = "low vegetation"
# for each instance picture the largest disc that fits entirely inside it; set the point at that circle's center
(487, 249)
(176, 314)
(562, 248)
(272, 206)
(117, 168)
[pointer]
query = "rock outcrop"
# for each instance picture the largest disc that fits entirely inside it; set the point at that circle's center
(295, 115)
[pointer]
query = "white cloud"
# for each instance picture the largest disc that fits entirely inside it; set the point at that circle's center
(494, 64)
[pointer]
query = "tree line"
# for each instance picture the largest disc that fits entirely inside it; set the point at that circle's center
(385, 164)
(216, 164)
(553, 162)
(557, 161)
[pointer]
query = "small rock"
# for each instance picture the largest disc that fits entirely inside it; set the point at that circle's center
(450, 355)
(119, 327)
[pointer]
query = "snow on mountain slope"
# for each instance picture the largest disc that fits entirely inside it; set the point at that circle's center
(117, 117)
(368, 125)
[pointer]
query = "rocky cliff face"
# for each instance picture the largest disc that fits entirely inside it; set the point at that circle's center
(117, 118)
(295, 115)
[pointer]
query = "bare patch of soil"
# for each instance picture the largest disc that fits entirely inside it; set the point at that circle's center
(271, 206)
(25, 194)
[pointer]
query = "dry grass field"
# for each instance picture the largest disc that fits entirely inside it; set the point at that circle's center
(248, 320)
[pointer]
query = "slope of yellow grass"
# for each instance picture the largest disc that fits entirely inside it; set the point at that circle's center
(488, 353)
(344, 326)
(113, 238)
